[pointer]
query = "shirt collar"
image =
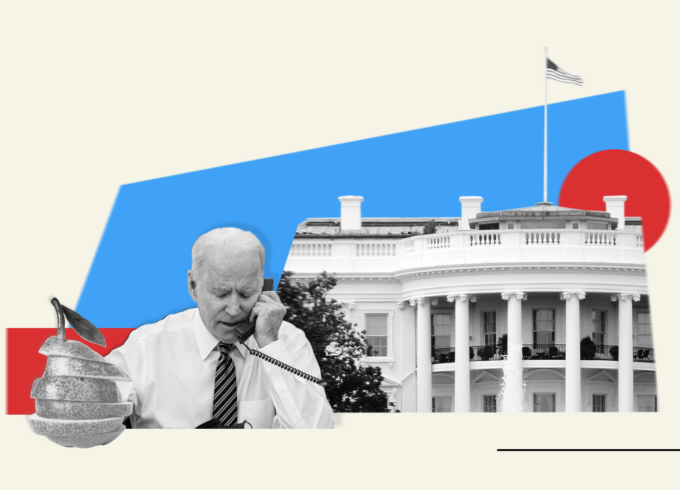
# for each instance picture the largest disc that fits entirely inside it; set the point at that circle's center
(205, 340)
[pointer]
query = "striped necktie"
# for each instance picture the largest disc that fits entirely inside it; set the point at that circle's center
(225, 403)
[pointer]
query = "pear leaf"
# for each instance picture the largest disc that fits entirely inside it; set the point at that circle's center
(83, 327)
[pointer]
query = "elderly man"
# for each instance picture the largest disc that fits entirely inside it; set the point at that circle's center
(190, 367)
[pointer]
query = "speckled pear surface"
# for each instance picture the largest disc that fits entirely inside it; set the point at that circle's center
(70, 410)
(89, 440)
(69, 348)
(75, 389)
(77, 401)
(71, 366)
(65, 428)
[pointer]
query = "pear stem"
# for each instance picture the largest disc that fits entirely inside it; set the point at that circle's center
(61, 324)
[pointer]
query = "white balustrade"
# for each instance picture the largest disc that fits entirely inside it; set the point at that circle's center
(377, 249)
(600, 238)
(435, 242)
(482, 239)
(311, 250)
(542, 237)
(468, 247)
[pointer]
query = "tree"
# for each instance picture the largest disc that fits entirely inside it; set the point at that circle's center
(430, 228)
(337, 345)
(588, 348)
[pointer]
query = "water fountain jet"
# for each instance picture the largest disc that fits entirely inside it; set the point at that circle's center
(511, 397)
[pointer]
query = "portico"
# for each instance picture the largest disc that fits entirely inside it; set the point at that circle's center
(556, 348)
(565, 287)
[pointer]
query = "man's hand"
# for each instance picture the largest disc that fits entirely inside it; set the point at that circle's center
(269, 312)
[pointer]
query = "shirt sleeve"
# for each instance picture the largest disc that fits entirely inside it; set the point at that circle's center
(130, 358)
(299, 404)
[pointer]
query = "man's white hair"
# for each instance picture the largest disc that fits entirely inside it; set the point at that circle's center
(227, 241)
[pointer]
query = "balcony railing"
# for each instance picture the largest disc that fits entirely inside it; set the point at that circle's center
(443, 355)
(543, 351)
(357, 254)
(643, 354)
(485, 353)
(601, 352)
(311, 250)
(476, 353)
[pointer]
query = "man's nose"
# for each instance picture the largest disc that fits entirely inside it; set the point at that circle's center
(233, 308)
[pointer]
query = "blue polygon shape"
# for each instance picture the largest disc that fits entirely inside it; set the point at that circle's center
(139, 272)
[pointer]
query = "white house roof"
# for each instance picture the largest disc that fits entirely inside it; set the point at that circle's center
(405, 227)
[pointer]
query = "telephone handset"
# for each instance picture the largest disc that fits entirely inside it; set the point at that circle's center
(247, 328)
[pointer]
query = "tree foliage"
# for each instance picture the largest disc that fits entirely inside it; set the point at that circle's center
(430, 228)
(337, 345)
(588, 348)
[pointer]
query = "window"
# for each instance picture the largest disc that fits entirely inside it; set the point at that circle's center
(441, 331)
(511, 226)
(599, 403)
(376, 335)
(544, 327)
(441, 404)
(489, 226)
(489, 403)
(599, 318)
(646, 403)
(544, 402)
(644, 324)
(574, 226)
(489, 327)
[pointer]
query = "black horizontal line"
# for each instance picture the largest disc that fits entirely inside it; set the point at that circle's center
(587, 450)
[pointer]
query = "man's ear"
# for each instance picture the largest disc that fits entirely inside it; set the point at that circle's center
(192, 286)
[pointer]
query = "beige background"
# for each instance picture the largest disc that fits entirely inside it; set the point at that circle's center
(94, 95)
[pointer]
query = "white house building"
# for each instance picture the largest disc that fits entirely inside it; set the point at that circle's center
(441, 309)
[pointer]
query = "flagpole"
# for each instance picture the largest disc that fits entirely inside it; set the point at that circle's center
(545, 131)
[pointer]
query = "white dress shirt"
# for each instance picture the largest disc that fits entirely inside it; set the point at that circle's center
(172, 364)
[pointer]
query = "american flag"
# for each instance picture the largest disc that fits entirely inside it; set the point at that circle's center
(554, 72)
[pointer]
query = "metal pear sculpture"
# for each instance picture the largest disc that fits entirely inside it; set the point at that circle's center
(77, 401)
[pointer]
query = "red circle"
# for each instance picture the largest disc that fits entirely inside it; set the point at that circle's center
(620, 173)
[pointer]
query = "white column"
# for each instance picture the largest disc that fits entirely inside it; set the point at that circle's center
(513, 398)
(406, 329)
(573, 370)
(424, 356)
(626, 398)
(462, 328)
(514, 300)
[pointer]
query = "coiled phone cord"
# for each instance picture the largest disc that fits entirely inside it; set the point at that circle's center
(288, 368)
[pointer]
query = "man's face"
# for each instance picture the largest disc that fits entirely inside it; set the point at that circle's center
(226, 293)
